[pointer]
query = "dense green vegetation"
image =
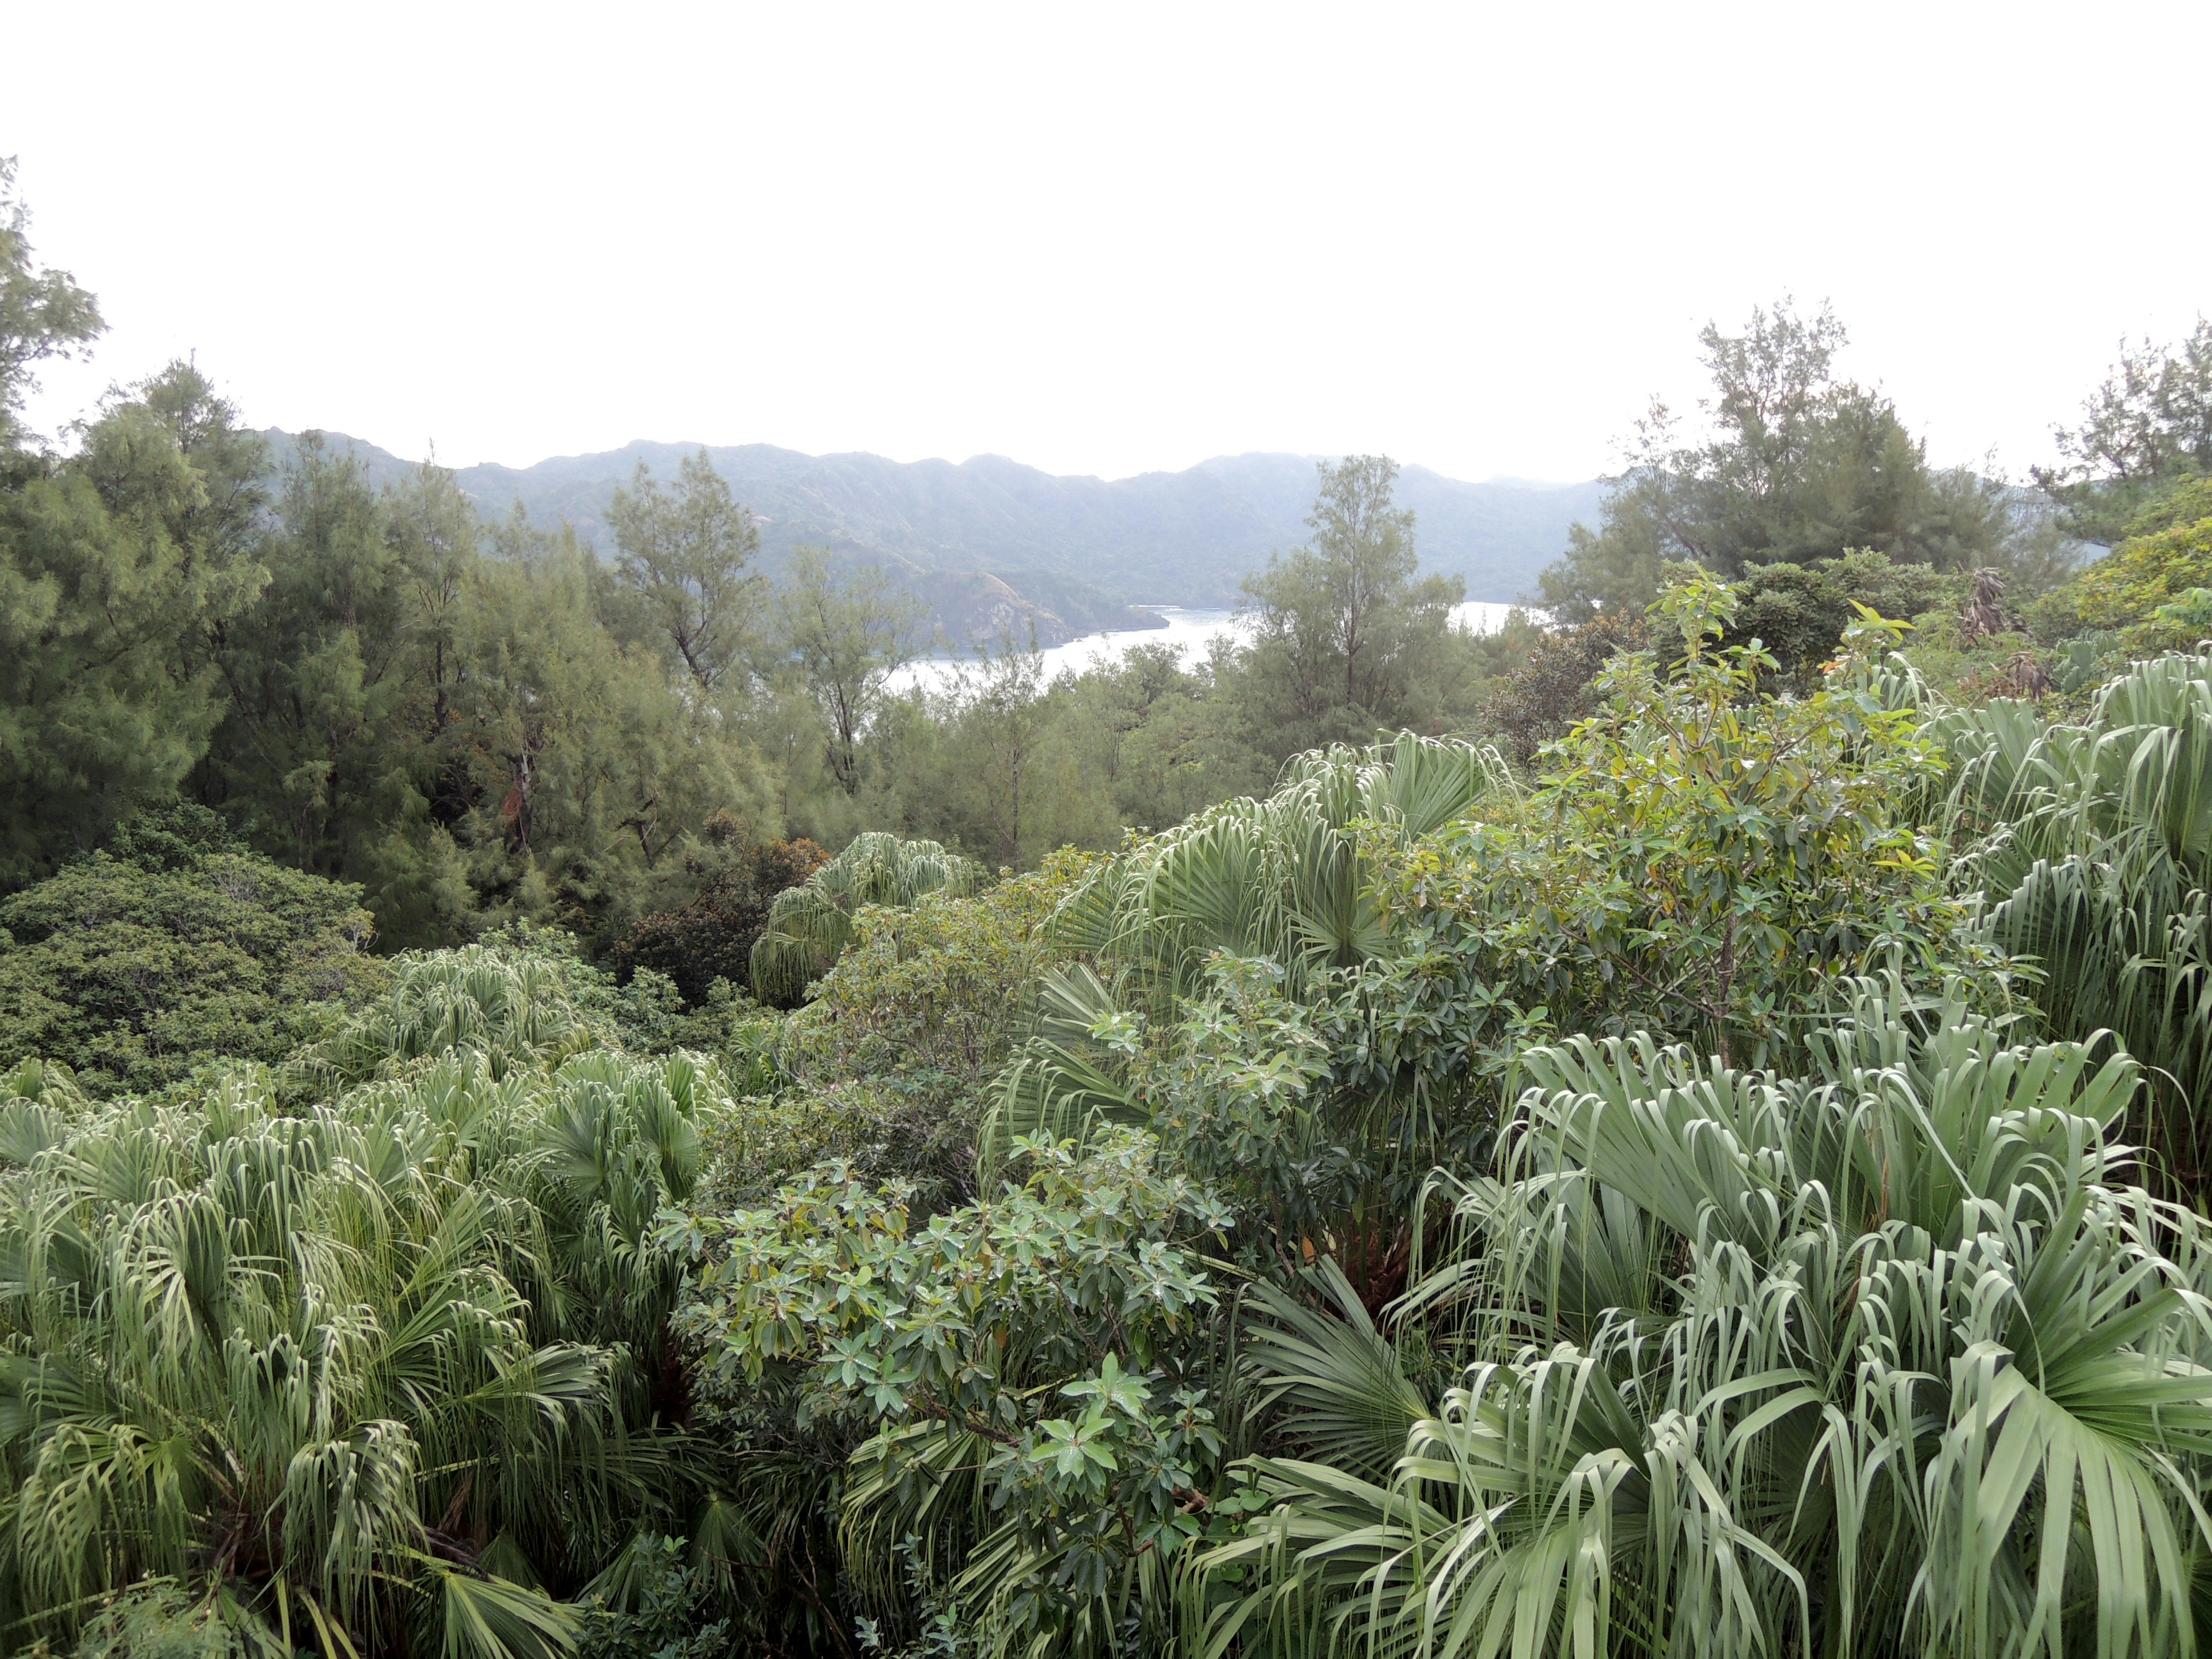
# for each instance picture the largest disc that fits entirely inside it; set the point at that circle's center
(172, 945)
(545, 1110)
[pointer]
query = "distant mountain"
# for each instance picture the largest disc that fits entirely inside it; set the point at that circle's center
(1076, 550)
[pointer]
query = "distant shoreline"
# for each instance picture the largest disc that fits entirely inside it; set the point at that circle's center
(1189, 628)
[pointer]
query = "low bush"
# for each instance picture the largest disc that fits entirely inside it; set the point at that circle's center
(173, 945)
(711, 936)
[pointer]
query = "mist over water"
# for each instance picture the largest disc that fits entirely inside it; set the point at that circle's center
(1192, 633)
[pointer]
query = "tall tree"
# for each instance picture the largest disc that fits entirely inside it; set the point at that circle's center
(118, 567)
(2148, 425)
(44, 314)
(591, 761)
(1796, 465)
(328, 741)
(997, 720)
(845, 639)
(117, 564)
(1148, 733)
(1347, 638)
(463, 733)
(683, 553)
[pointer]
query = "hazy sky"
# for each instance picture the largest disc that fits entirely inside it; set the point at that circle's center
(1105, 238)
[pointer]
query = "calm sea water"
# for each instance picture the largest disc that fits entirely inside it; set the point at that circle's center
(1191, 633)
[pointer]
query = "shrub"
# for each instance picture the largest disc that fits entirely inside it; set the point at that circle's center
(1799, 611)
(1021, 1366)
(933, 994)
(156, 1619)
(653, 1603)
(890, 1066)
(137, 964)
(2167, 553)
(1552, 691)
(1704, 859)
(711, 936)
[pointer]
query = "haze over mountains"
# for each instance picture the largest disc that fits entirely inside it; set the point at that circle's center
(990, 544)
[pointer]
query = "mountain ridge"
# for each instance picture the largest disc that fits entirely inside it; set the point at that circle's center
(1100, 545)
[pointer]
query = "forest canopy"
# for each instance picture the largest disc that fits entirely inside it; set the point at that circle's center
(554, 1105)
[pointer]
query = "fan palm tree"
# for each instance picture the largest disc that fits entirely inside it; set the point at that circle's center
(1885, 1360)
(810, 924)
(363, 1378)
(2096, 859)
(1284, 878)
(513, 1010)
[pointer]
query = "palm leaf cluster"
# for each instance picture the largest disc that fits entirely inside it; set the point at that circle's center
(513, 1010)
(375, 1376)
(1283, 878)
(2096, 859)
(810, 924)
(1888, 1359)
(1288, 880)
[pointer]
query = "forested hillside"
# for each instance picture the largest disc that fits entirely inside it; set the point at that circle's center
(1181, 538)
(548, 1112)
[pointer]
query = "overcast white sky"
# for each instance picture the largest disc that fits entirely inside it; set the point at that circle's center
(1107, 238)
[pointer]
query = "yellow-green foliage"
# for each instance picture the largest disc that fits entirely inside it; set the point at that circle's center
(2167, 554)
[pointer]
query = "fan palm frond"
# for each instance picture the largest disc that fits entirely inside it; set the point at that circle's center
(1280, 878)
(810, 924)
(1885, 1359)
(2095, 859)
(1283, 879)
(1066, 1079)
(295, 1360)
